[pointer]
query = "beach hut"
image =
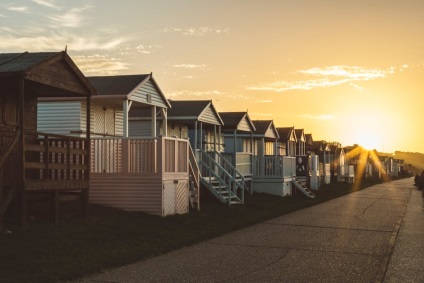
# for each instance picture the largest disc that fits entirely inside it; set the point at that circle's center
(238, 132)
(145, 172)
(33, 163)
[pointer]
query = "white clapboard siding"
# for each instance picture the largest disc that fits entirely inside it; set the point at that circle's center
(135, 192)
(209, 116)
(149, 94)
(61, 117)
(244, 125)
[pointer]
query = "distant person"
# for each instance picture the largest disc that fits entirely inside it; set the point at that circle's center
(421, 181)
(416, 179)
(300, 167)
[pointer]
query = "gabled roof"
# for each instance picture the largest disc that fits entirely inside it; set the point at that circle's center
(237, 121)
(129, 87)
(320, 146)
(42, 68)
(265, 128)
(300, 134)
(116, 85)
(309, 139)
(286, 134)
(16, 63)
(198, 110)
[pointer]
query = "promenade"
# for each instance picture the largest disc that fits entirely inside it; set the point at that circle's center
(373, 235)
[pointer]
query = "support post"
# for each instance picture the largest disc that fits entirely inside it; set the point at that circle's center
(195, 137)
(125, 112)
(21, 178)
(164, 114)
(153, 133)
(214, 137)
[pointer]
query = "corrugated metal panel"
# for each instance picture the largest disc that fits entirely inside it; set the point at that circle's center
(130, 192)
(209, 116)
(149, 94)
(59, 117)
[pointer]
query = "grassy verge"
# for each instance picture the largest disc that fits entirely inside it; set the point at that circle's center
(43, 252)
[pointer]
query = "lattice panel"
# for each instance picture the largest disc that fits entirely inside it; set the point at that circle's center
(181, 197)
(110, 122)
(99, 118)
(168, 198)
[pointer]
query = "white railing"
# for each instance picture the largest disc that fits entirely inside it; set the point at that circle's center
(327, 169)
(243, 162)
(143, 156)
(274, 166)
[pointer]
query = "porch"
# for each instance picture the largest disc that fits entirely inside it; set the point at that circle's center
(274, 174)
(135, 174)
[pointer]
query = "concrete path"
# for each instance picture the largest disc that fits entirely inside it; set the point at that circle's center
(373, 235)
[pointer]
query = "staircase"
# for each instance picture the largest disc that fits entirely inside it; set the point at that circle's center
(303, 188)
(7, 189)
(194, 181)
(221, 177)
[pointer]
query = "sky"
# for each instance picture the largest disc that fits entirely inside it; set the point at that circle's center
(349, 71)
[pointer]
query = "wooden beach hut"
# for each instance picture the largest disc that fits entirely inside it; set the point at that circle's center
(148, 173)
(33, 163)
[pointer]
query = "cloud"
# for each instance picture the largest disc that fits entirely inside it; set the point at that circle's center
(71, 19)
(206, 94)
(100, 65)
(201, 31)
(47, 3)
(189, 66)
(324, 77)
(22, 9)
(264, 101)
(259, 114)
(147, 49)
(319, 117)
(57, 42)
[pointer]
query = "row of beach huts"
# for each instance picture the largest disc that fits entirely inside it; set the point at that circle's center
(118, 141)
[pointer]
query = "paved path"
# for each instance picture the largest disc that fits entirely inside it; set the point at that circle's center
(373, 235)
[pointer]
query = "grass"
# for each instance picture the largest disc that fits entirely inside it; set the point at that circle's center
(43, 252)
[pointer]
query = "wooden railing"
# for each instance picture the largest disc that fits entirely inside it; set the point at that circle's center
(51, 157)
(274, 166)
(243, 162)
(142, 156)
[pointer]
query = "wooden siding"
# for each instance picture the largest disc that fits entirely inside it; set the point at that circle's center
(59, 117)
(131, 192)
(177, 130)
(60, 75)
(209, 116)
(149, 94)
(244, 125)
(143, 128)
(270, 133)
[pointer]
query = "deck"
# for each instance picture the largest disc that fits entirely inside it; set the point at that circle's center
(273, 174)
(149, 175)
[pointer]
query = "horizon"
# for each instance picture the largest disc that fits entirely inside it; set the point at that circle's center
(348, 72)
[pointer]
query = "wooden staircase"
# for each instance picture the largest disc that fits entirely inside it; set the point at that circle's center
(221, 178)
(7, 188)
(194, 181)
(303, 188)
